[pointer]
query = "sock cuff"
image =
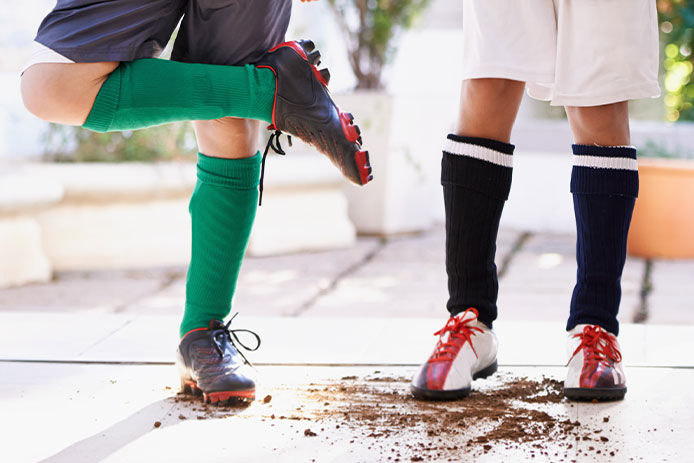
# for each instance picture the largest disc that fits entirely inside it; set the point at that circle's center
(478, 164)
(605, 170)
(495, 145)
(484, 149)
(102, 113)
(238, 174)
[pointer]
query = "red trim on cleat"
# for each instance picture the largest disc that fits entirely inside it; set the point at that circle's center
(223, 396)
(196, 329)
(274, 101)
(319, 76)
(293, 45)
(350, 131)
(362, 160)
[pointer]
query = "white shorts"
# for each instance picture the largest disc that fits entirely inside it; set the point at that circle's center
(570, 52)
(42, 54)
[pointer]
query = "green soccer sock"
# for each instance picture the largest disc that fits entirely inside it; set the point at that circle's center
(149, 92)
(222, 210)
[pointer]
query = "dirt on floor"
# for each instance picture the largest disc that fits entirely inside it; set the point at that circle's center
(379, 411)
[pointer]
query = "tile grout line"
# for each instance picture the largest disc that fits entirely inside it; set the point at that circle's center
(165, 283)
(307, 364)
(99, 341)
(641, 314)
(382, 243)
(518, 245)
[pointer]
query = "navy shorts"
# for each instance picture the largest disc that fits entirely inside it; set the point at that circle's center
(231, 32)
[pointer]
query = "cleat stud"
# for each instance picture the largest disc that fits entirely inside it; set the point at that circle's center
(350, 116)
(307, 45)
(314, 58)
(360, 141)
(356, 127)
(325, 74)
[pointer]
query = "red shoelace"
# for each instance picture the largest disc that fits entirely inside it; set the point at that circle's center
(459, 328)
(600, 345)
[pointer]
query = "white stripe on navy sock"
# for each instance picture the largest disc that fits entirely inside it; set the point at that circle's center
(603, 162)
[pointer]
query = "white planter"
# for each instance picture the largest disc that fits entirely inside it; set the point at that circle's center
(403, 134)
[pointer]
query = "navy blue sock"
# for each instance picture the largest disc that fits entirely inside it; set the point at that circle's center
(476, 178)
(604, 183)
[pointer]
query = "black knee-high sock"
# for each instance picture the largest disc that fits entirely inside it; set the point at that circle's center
(604, 183)
(476, 179)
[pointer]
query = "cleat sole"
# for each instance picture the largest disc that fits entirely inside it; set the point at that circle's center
(429, 394)
(364, 167)
(432, 394)
(229, 397)
(314, 58)
(190, 387)
(218, 397)
(351, 132)
(600, 394)
(486, 372)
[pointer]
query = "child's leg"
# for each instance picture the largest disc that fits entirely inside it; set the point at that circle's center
(222, 209)
(604, 184)
(146, 92)
(64, 93)
(476, 178)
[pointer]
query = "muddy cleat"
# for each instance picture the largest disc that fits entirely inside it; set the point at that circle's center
(303, 108)
(211, 365)
(466, 350)
(595, 365)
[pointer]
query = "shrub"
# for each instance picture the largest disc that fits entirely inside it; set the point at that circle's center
(75, 144)
(371, 28)
(677, 28)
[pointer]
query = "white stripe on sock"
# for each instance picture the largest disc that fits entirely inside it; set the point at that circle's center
(478, 152)
(604, 162)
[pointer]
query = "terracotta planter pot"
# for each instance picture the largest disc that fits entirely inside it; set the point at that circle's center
(663, 221)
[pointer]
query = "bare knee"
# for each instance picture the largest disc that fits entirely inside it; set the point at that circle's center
(490, 91)
(228, 137)
(488, 108)
(605, 125)
(63, 92)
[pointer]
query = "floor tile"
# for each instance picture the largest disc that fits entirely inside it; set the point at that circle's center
(131, 413)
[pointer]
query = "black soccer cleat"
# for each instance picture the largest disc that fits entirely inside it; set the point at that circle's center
(211, 365)
(303, 108)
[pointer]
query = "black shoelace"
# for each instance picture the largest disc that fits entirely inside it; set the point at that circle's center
(274, 143)
(222, 335)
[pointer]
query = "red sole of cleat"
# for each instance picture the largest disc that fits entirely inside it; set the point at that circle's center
(190, 387)
(228, 396)
(351, 132)
(362, 160)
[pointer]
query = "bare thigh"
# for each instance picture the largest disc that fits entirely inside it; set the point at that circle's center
(228, 137)
(605, 125)
(63, 93)
(488, 108)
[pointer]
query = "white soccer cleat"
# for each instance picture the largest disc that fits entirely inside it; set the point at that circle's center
(466, 350)
(595, 365)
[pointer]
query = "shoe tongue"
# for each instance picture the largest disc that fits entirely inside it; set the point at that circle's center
(216, 324)
(465, 316)
(579, 329)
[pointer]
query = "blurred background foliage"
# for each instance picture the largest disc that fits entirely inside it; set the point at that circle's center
(677, 29)
(162, 143)
(371, 29)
